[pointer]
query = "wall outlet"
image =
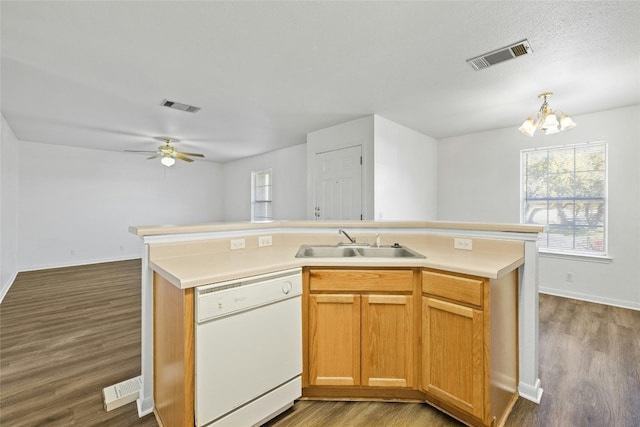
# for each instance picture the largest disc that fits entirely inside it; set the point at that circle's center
(74, 251)
(264, 241)
(569, 277)
(464, 244)
(237, 244)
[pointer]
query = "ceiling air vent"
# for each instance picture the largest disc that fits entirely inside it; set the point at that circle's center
(180, 106)
(500, 55)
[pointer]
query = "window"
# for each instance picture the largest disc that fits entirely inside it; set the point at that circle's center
(261, 195)
(565, 188)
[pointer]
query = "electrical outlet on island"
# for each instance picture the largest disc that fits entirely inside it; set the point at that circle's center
(464, 244)
(237, 244)
(264, 241)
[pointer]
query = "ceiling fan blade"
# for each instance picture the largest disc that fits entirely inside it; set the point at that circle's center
(181, 157)
(191, 154)
(168, 151)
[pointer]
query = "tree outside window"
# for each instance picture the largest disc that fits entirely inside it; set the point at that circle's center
(565, 188)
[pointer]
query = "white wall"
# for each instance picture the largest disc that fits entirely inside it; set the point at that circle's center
(289, 184)
(406, 172)
(479, 180)
(399, 175)
(83, 200)
(349, 134)
(8, 207)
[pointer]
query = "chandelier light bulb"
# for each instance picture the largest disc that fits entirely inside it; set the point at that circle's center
(546, 119)
(528, 127)
(566, 123)
(550, 121)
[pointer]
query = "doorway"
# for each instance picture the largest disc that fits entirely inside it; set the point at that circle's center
(338, 184)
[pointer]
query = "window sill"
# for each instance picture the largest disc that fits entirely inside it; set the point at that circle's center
(604, 259)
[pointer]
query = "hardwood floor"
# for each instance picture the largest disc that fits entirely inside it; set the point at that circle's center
(67, 333)
(589, 366)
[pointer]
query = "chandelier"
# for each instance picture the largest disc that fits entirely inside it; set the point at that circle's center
(546, 119)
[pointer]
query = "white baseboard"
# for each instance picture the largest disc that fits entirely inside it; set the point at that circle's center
(79, 263)
(590, 298)
(6, 286)
(145, 406)
(531, 392)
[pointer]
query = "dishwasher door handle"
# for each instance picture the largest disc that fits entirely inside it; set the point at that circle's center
(286, 287)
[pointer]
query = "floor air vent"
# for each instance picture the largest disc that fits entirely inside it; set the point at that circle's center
(180, 106)
(500, 55)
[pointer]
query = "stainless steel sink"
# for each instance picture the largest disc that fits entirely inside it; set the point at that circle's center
(325, 252)
(342, 251)
(389, 252)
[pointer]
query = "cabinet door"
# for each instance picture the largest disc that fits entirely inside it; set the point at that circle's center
(452, 354)
(334, 339)
(388, 341)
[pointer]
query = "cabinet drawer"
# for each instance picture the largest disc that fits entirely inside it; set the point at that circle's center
(360, 280)
(455, 288)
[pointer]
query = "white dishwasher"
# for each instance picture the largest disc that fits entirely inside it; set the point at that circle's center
(248, 349)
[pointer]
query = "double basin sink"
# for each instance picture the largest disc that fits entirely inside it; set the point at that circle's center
(346, 251)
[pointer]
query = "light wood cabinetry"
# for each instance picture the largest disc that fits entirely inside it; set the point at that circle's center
(173, 353)
(464, 371)
(375, 333)
(388, 341)
(452, 354)
(334, 339)
(362, 329)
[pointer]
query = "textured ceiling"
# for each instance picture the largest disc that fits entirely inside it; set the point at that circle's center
(93, 74)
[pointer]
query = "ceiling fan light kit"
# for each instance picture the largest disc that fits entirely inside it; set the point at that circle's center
(168, 161)
(546, 119)
(168, 154)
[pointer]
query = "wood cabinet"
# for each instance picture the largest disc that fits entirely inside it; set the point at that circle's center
(361, 328)
(334, 339)
(173, 378)
(378, 333)
(452, 354)
(387, 341)
(469, 345)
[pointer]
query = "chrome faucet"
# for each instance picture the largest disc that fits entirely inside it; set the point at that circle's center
(353, 241)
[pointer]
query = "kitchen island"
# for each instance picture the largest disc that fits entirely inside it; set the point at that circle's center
(190, 256)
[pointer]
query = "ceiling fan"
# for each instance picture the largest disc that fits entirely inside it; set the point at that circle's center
(167, 153)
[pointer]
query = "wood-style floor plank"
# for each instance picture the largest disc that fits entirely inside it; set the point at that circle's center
(67, 333)
(589, 368)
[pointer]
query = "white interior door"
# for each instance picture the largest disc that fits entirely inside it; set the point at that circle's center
(338, 184)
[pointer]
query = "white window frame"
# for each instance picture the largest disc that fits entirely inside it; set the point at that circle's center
(544, 237)
(262, 195)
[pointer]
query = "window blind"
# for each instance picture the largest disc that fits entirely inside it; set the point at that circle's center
(565, 188)
(261, 195)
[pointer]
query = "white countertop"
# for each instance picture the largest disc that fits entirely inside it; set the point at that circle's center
(153, 230)
(189, 270)
(194, 255)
